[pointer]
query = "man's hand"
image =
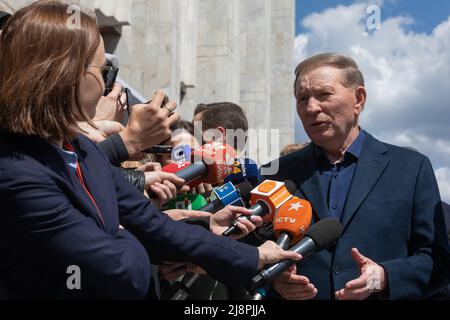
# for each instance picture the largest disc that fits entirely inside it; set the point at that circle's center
(270, 252)
(149, 124)
(204, 189)
(173, 270)
(372, 279)
(164, 185)
(221, 220)
(105, 128)
(292, 286)
(180, 214)
(111, 107)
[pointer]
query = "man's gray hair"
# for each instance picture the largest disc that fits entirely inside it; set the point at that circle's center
(352, 75)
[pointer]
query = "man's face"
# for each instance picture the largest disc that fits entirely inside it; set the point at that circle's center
(326, 107)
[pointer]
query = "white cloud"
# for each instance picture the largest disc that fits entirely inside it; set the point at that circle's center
(443, 178)
(407, 77)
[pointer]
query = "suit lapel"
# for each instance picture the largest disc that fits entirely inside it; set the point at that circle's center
(307, 179)
(371, 164)
(90, 183)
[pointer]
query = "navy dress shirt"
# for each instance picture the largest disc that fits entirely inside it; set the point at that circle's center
(335, 179)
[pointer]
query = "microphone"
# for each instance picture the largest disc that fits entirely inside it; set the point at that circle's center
(171, 168)
(244, 170)
(266, 199)
(181, 153)
(228, 194)
(320, 236)
(159, 149)
(292, 221)
(180, 290)
(187, 202)
(212, 163)
(176, 166)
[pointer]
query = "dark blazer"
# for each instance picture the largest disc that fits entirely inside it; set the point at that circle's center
(392, 214)
(48, 223)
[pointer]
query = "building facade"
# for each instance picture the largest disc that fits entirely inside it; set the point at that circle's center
(203, 51)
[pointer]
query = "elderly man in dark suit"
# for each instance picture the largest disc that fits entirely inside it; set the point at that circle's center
(393, 244)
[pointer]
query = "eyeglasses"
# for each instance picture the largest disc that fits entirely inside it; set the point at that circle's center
(109, 75)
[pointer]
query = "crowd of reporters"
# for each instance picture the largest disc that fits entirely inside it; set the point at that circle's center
(143, 165)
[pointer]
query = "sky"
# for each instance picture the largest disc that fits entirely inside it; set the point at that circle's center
(405, 59)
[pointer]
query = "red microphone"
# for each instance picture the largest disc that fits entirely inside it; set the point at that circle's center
(292, 221)
(175, 166)
(211, 163)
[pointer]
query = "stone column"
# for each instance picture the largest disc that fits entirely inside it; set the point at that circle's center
(255, 73)
(283, 111)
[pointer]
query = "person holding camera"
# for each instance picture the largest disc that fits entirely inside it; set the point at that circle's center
(64, 205)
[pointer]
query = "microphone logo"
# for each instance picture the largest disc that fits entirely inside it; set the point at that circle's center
(286, 219)
(295, 206)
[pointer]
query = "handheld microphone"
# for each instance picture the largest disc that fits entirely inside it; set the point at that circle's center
(211, 163)
(292, 221)
(228, 194)
(181, 153)
(180, 290)
(187, 202)
(266, 199)
(171, 168)
(176, 166)
(244, 170)
(159, 149)
(320, 236)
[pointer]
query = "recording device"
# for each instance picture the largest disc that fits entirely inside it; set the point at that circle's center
(211, 163)
(109, 72)
(4, 16)
(187, 202)
(229, 194)
(159, 149)
(244, 170)
(292, 221)
(266, 199)
(320, 236)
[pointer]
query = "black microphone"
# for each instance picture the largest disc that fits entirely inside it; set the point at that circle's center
(320, 236)
(228, 194)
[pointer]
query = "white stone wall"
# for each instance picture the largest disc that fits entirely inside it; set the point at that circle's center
(231, 50)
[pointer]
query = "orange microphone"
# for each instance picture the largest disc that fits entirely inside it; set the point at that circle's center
(292, 221)
(266, 199)
(211, 163)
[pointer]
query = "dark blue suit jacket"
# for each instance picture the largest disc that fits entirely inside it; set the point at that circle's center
(48, 223)
(392, 214)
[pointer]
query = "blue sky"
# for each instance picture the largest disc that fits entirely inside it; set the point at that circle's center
(406, 63)
(427, 13)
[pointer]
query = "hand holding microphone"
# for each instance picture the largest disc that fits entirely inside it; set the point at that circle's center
(229, 194)
(266, 199)
(211, 163)
(320, 236)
